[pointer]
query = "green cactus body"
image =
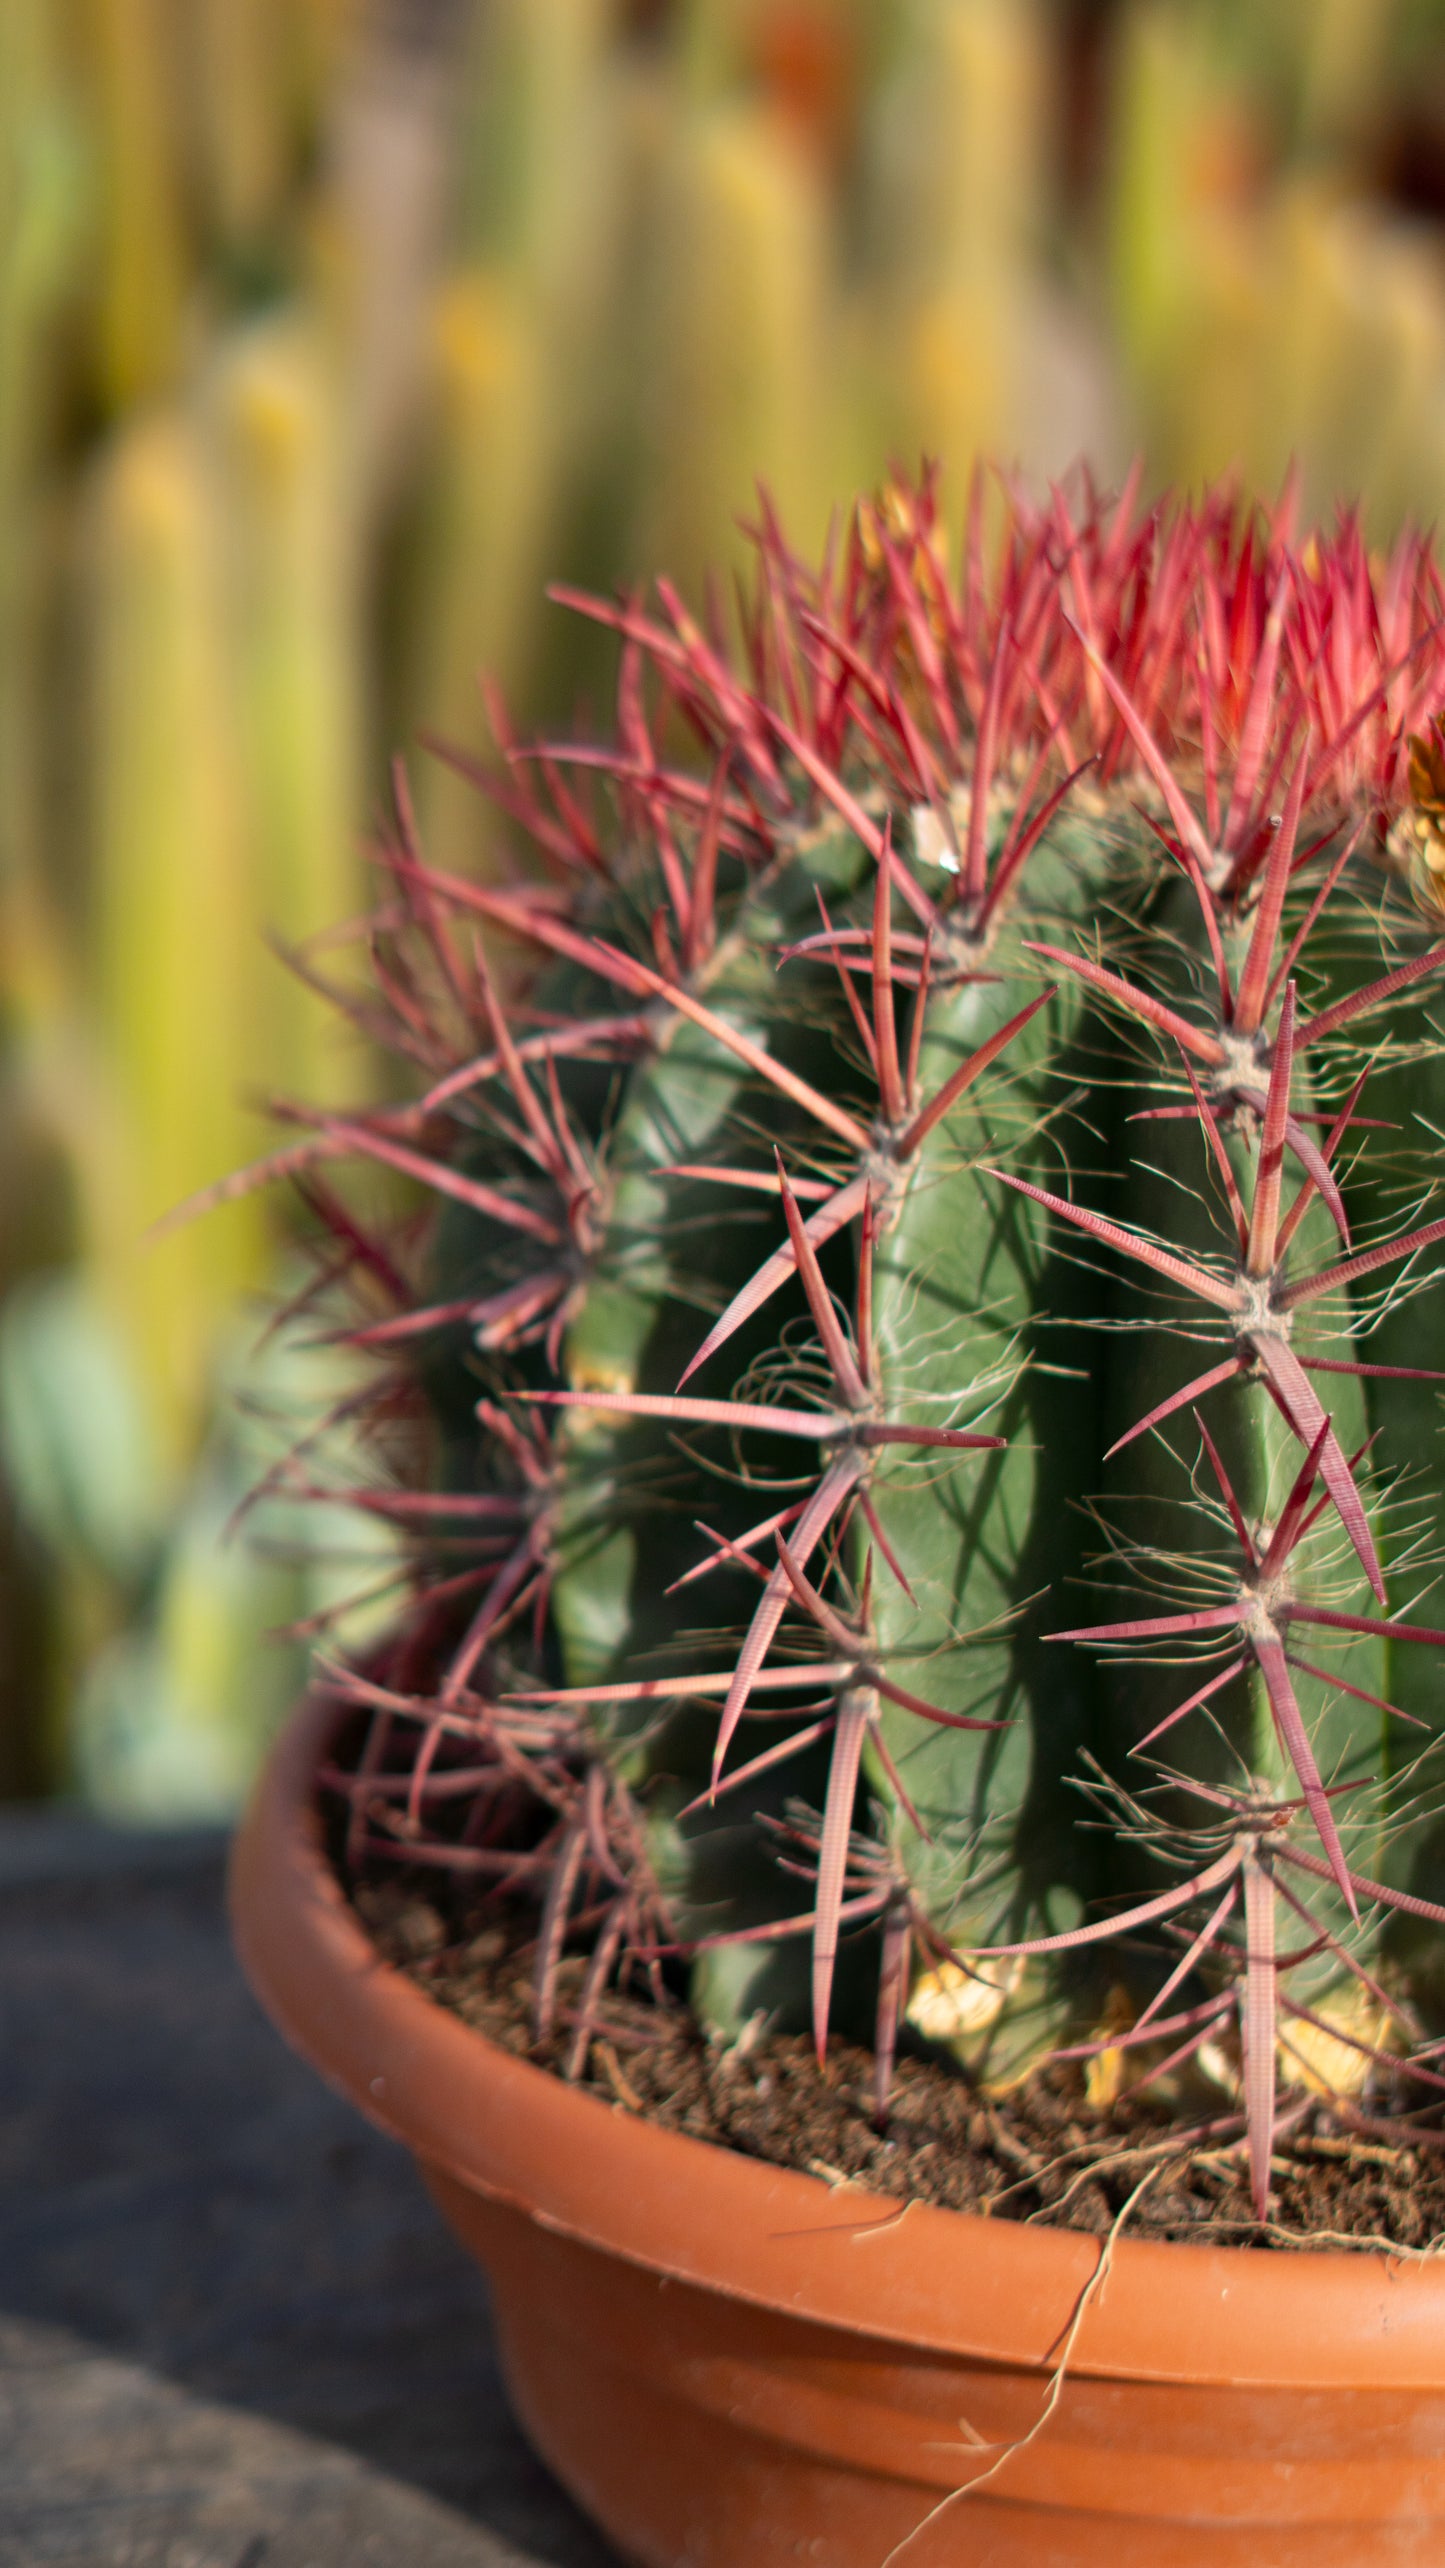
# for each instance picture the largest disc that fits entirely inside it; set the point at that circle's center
(965, 1277)
(672, 1250)
(669, 1246)
(1166, 1186)
(1391, 1181)
(1162, 1501)
(631, 1334)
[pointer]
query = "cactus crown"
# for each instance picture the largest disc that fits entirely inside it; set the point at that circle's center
(910, 1416)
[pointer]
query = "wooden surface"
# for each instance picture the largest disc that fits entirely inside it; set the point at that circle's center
(233, 2332)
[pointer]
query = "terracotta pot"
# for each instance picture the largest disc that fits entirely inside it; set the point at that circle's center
(732, 2366)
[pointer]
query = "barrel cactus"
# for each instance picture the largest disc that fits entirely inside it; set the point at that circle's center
(905, 1367)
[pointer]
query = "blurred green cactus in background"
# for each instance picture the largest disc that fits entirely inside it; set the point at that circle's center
(328, 333)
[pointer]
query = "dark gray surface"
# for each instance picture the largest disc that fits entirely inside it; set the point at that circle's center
(233, 2331)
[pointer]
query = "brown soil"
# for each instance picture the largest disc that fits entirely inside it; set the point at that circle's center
(1039, 2154)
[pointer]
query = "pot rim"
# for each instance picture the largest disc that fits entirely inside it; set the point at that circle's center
(955, 2283)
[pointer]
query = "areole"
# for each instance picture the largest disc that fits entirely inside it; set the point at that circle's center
(732, 2366)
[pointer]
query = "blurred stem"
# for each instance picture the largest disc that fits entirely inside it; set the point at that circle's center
(532, 94)
(40, 190)
(143, 251)
(741, 315)
(291, 580)
(387, 156)
(483, 543)
(246, 96)
(171, 958)
(956, 159)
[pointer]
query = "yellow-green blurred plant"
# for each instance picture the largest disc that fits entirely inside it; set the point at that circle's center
(958, 188)
(1271, 305)
(181, 719)
(520, 353)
